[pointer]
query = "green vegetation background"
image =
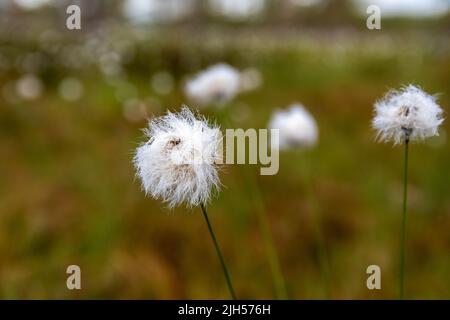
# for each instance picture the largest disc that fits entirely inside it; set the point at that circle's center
(69, 195)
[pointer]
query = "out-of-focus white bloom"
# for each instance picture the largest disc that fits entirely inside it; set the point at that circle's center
(306, 3)
(406, 8)
(216, 85)
(31, 4)
(407, 114)
(297, 128)
(71, 89)
(237, 9)
(29, 87)
(250, 79)
(178, 163)
(155, 11)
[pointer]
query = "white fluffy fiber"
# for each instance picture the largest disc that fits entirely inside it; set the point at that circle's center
(407, 114)
(178, 164)
(218, 84)
(297, 128)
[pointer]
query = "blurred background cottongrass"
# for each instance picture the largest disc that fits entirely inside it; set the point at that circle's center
(72, 104)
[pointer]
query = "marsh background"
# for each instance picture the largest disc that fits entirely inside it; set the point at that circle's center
(68, 191)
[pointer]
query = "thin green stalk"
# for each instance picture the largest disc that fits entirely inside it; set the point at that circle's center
(281, 291)
(219, 253)
(403, 235)
(272, 255)
(324, 263)
(321, 245)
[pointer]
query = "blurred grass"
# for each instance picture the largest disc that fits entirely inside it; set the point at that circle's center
(69, 193)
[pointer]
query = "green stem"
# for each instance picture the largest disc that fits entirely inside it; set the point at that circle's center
(322, 250)
(324, 263)
(271, 251)
(219, 253)
(403, 234)
(272, 255)
(281, 291)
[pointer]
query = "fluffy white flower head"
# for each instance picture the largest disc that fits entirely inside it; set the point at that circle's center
(216, 85)
(297, 128)
(407, 114)
(178, 164)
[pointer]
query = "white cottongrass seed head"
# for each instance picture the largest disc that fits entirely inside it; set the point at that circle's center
(407, 114)
(217, 85)
(179, 162)
(297, 128)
